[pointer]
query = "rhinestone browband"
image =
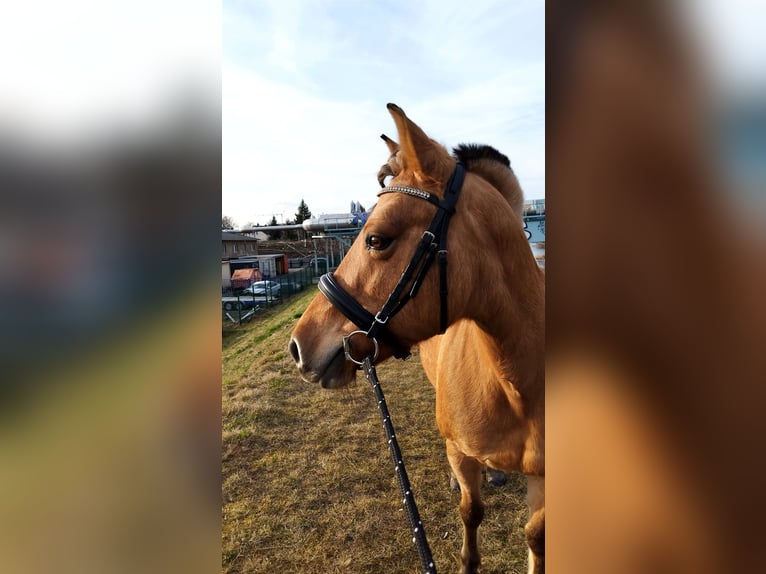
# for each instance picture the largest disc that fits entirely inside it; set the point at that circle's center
(404, 189)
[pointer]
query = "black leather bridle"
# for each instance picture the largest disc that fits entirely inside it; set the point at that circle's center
(433, 242)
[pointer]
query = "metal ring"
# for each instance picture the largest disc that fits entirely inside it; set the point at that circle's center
(347, 347)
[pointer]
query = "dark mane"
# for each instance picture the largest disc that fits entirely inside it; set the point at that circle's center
(488, 163)
(470, 152)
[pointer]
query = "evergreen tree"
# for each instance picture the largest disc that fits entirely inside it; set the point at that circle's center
(303, 213)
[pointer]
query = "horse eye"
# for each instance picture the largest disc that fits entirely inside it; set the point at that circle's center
(377, 242)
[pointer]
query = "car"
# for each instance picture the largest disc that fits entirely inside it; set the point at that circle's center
(267, 288)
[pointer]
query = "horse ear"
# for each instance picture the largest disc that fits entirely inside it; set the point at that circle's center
(391, 167)
(393, 147)
(419, 152)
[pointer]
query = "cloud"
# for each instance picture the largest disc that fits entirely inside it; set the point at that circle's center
(506, 111)
(730, 40)
(305, 88)
(86, 63)
(281, 145)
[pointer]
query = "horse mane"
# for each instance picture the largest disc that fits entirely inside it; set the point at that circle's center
(468, 152)
(495, 167)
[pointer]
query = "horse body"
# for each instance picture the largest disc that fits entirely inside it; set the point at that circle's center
(487, 421)
(478, 407)
(488, 366)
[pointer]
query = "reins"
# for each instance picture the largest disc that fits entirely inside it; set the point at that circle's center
(408, 498)
(433, 242)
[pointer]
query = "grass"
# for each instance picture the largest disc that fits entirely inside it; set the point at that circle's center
(308, 484)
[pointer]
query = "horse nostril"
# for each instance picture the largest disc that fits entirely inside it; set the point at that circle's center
(294, 351)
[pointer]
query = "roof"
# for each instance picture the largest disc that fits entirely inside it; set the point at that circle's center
(246, 274)
(232, 236)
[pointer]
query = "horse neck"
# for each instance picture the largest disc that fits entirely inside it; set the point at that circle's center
(510, 309)
(503, 179)
(519, 344)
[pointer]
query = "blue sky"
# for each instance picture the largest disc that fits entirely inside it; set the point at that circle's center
(305, 85)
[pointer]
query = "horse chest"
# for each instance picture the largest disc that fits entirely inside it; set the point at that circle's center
(484, 424)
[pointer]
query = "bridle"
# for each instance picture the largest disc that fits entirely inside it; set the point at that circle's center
(432, 242)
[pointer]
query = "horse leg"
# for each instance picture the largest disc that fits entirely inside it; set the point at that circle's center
(494, 477)
(453, 483)
(467, 471)
(535, 527)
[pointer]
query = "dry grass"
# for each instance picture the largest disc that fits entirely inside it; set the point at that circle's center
(308, 484)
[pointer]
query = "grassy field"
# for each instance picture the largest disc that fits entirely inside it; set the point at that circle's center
(308, 484)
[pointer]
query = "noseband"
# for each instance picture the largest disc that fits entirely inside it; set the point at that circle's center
(433, 241)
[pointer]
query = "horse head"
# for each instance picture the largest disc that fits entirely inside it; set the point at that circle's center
(478, 230)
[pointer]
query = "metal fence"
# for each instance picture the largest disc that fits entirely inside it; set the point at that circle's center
(239, 305)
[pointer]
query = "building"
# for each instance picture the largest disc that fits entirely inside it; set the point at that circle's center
(534, 207)
(235, 245)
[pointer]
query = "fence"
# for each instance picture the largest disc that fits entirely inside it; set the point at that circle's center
(240, 305)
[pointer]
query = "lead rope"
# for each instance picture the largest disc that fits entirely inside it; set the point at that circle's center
(418, 533)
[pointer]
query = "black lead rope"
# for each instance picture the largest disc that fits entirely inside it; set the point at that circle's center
(418, 532)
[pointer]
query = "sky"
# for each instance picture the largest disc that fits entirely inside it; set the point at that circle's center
(304, 83)
(79, 72)
(728, 36)
(305, 86)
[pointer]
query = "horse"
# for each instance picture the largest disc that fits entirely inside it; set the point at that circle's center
(478, 320)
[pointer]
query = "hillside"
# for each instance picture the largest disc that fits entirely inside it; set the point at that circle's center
(308, 484)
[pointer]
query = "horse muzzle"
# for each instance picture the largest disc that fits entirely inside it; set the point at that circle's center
(330, 369)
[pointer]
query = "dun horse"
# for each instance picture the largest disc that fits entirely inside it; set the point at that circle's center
(482, 345)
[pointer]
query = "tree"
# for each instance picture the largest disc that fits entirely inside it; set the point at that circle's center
(290, 234)
(303, 213)
(227, 222)
(274, 234)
